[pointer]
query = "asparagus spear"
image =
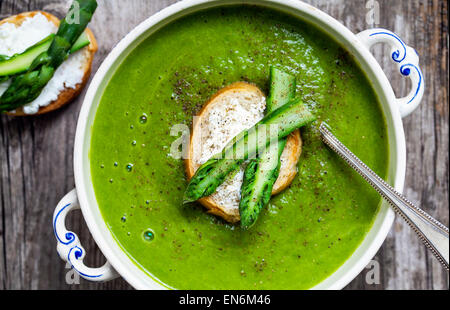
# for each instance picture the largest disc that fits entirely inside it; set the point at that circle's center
(262, 172)
(271, 128)
(26, 87)
(282, 89)
(19, 63)
(12, 65)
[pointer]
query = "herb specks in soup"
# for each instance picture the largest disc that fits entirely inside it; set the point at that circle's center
(307, 231)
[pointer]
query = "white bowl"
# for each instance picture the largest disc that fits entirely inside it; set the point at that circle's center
(69, 247)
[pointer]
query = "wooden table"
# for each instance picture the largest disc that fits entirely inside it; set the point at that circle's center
(36, 153)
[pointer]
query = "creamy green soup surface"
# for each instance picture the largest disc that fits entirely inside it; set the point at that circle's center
(307, 231)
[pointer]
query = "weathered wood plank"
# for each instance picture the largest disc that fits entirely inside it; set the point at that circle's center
(36, 153)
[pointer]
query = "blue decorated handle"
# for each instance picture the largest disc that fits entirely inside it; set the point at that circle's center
(407, 60)
(68, 244)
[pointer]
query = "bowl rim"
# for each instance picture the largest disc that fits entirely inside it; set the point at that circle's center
(116, 255)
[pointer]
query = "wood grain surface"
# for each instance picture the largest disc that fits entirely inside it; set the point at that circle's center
(36, 153)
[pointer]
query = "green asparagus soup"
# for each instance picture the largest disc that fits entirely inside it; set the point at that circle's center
(307, 231)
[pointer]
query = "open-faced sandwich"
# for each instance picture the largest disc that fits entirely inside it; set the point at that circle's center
(44, 63)
(234, 166)
(234, 108)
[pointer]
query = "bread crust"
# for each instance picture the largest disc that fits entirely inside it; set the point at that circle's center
(68, 94)
(287, 174)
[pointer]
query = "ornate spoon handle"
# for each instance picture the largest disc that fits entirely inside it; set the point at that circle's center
(429, 230)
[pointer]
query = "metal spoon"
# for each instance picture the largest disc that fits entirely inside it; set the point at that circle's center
(429, 230)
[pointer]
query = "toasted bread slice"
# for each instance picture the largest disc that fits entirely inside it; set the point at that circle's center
(68, 94)
(253, 95)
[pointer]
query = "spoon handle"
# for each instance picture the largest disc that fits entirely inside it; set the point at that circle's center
(429, 230)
